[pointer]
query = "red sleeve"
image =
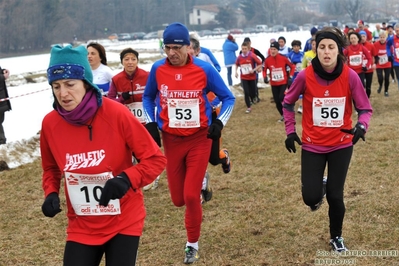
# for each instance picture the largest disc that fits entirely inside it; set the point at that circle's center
(51, 178)
(367, 53)
(257, 60)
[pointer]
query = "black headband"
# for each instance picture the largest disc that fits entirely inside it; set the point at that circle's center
(327, 35)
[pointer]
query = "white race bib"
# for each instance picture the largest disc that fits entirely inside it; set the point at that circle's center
(137, 110)
(183, 113)
(84, 192)
(246, 69)
(328, 112)
(382, 59)
(298, 67)
(277, 75)
(355, 60)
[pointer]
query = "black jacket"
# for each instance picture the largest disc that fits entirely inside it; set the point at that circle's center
(4, 105)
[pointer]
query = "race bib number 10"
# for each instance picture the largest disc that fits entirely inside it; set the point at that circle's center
(84, 192)
(137, 110)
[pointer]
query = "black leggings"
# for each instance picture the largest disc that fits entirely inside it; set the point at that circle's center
(249, 87)
(312, 171)
(369, 79)
(121, 250)
(278, 96)
(383, 77)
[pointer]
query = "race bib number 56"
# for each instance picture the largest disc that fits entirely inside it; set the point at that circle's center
(84, 192)
(328, 112)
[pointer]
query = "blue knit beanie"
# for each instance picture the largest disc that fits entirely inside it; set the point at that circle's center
(362, 32)
(71, 63)
(313, 31)
(176, 33)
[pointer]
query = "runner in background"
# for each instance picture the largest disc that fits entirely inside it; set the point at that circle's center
(383, 63)
(128, 86)
(102, 74)
(368, 75)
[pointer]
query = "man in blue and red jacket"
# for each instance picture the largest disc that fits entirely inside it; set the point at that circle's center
(177, 86)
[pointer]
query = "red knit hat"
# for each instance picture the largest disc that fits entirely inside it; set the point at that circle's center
(230, 37)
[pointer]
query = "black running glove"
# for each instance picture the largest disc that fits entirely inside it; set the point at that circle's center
(152, 128)
(215, 130)
(390, 59)
(289, 82)
(114, 188)
(266, 80)
(358, 132)
(364, 69)
(51, 205)
(126, 95)
(290, 142)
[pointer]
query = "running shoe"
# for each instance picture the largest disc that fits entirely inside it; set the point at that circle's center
(386, 94)
(191, 255)
(300, 109)
(281, 120)
(206, 191)
(148, 187)
(248, 110)
(226, 166)
(379, 89)
(337, 244)
(156, 183)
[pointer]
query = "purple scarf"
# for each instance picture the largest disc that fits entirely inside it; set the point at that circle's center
(83, 112)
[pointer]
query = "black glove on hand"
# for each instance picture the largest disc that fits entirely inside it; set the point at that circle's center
(266, 80)
(115, 188)
(289, 82)
(152, 128)
(215, 130)
(290, 142)
(358, 132)
(364, 68)
(376, 59)
(51, 205)
(126, 95)
(390, 59)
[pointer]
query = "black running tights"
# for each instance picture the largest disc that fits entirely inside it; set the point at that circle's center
(312, 171)
(383, 77)
(121, 250)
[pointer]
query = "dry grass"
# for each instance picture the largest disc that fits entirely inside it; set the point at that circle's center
(256, 216)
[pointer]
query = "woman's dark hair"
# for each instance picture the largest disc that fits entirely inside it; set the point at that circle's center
(354, 33)
(101, 51)
(335, 34)
(296, 42)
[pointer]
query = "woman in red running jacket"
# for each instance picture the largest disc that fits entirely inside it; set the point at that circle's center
(276, 64)
(88, 140)
(383, 63)
(355, 53)
(368, 75)
(128, 86)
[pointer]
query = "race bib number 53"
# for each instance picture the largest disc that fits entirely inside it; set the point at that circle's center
(328, 112)
(183, 113)
(84, 192)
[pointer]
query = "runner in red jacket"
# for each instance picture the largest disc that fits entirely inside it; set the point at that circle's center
(277, 64)
(368, 75)
(383, 63)
(356, 54)
(89, 140)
